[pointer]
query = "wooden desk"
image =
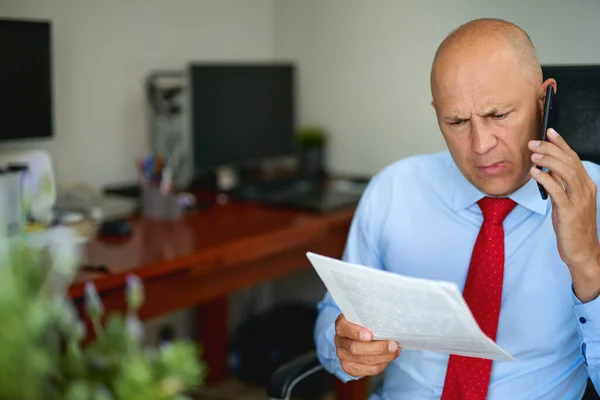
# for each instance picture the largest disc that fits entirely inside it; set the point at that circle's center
(200, 259)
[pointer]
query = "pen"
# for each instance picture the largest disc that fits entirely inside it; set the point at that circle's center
(165, 182)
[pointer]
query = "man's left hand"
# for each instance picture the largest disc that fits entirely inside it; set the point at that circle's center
(574, 211)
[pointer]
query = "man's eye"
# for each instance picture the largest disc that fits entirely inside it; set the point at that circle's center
(499, 116)
(458, 122)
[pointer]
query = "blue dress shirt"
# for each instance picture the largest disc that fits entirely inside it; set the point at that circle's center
(419, 217)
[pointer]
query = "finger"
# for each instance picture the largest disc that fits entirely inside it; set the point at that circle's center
(356, 369)
(347, 329)
(558, 140)
(569, 174)
(377, 347)
(368, 360)
(554, 189)
(558, 148)
(558, 180)
(573, 159)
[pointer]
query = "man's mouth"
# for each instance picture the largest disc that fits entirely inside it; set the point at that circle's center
(493, 169)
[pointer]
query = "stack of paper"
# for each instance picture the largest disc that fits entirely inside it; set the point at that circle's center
(419, 314)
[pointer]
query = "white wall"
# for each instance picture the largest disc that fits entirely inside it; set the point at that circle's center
(102, 53)
(364, 65)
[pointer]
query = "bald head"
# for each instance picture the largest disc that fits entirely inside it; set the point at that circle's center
(488, 97)
(482, 36)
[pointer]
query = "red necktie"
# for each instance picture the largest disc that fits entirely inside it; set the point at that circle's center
(468, 378)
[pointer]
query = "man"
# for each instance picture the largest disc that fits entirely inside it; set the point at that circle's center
(529, 268)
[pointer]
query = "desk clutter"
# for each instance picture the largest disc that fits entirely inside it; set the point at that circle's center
(241, 138)
(157, 197)
(158, 204)
(12, 219)
(27, 189)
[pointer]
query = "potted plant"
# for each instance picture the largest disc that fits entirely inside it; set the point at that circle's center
(312, 144)
(42, 336)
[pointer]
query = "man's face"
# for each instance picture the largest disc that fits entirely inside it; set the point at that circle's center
(487, 111)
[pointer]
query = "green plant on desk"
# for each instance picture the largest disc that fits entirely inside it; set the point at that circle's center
(311, 137)
(311, 142)
(42, 355)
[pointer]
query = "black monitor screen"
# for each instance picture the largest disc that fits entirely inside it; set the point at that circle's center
(578, 107)
(25, 80)
(241, 113)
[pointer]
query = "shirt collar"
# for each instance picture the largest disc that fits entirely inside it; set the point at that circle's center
(465, 194)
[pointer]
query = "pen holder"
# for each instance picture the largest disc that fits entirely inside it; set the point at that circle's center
(157, 204)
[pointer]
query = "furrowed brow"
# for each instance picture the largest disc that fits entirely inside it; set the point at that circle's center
(489, 111)
(455, 116)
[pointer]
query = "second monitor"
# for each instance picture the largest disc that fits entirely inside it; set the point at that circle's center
(241, 113)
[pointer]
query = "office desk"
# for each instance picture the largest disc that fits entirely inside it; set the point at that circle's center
(200, 259)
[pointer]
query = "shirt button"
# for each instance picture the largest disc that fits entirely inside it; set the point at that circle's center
(582, 320)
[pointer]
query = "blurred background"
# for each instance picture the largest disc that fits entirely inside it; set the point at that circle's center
(125, 79)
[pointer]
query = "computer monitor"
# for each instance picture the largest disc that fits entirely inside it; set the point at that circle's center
(241, 114)
(578, 107)
(25, 79)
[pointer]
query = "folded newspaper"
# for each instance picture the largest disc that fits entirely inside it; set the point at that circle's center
(419, 314)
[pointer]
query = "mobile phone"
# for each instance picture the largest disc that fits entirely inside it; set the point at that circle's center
(547, 121)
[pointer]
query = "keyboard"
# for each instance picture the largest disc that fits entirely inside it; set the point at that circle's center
(312, 199)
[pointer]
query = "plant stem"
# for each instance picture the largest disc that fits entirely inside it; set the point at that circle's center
(97, 327)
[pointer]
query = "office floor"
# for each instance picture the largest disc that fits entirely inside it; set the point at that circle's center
(236, 390)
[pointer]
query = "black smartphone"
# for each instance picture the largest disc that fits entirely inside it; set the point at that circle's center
(547, 121)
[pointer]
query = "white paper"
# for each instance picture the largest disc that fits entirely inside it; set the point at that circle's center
(419, 314)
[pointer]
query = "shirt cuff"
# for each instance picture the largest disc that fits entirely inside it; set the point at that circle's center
(588, 326)
(326, 351)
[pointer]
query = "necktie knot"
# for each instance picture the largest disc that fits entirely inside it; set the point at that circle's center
(495, 210)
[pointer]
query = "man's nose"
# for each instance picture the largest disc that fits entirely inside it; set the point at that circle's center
(483, 138)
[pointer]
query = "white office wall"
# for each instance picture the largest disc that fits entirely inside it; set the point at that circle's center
(364, 65)
(102, 52)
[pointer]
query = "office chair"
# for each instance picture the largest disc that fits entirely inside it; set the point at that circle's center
(285, 378)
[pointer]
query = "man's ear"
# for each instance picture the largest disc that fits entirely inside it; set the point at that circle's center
(543, 88)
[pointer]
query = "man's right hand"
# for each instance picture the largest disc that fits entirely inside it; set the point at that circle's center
(359, 354)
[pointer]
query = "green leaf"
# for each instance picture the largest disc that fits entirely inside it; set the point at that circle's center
(78, 390)
(41, 334)
(178, 365)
